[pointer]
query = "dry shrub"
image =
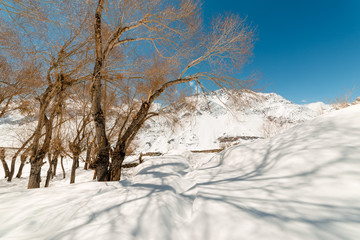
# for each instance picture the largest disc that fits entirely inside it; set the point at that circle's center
(343, 100)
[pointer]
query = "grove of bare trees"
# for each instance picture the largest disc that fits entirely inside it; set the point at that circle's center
(93, 72)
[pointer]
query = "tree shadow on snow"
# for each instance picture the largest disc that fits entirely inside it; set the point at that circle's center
(291, 184)
(283, 189)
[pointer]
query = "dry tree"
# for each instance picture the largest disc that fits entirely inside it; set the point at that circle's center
(227, 46)
(54, 36)
(81, 129)
(120, 23)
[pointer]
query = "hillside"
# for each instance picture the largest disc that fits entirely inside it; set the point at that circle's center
(301, 184)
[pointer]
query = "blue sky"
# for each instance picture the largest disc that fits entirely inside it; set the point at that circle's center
(307, 50)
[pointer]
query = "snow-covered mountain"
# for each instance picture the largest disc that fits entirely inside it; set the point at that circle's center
(220, 121)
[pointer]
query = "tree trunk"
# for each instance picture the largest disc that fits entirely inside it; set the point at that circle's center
(77, 163)
(102, 172)
(49, 172)
(73, 167)
(35, 177)
(140, 158)
(35, 172)
(23, 160)
(88, 156)
(62, 166)
(94, 177)
(102, 159)
(124, 141)
(48, 177)
(2, 158)
(54, 164)
(101, 162)
(38, 151)
(36, 162)
(117, 160)
(12, 169)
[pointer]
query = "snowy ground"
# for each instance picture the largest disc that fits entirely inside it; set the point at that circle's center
(301, 184)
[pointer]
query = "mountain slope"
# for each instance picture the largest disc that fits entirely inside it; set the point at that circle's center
(220, 121)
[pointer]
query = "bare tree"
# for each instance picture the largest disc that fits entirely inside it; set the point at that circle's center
(78, 143)
(228, 46)
(23, 158)
(55, 38)
(142, 20)
(23, 161)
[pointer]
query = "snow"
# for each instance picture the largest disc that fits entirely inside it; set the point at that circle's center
(319, 107)
(301, 184)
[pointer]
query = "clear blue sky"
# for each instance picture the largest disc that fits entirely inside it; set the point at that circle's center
(307, 50)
